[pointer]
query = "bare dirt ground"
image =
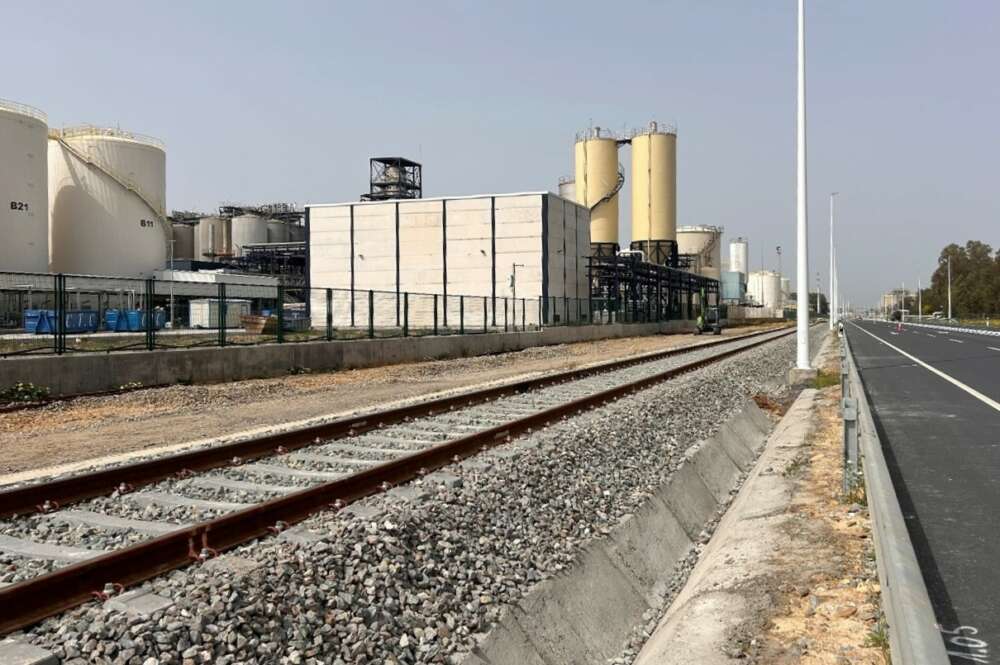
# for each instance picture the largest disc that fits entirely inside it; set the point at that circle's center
(826, 608)
(90, 427)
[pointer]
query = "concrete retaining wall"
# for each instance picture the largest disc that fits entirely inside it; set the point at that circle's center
(89, 373)
(587, 614)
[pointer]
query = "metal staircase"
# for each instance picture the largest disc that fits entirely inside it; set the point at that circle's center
(614, 190)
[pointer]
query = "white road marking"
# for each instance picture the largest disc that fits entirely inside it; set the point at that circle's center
(992, 348)
(972, 391)
(957, 341)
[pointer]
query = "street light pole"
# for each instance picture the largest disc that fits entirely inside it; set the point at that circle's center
(832, 310)
(802, 246)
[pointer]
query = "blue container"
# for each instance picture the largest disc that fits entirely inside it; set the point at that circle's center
(135, 320)
(83, 320)
(114, 321)
(34, 318)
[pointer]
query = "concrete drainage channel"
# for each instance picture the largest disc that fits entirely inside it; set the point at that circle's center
(590, 613)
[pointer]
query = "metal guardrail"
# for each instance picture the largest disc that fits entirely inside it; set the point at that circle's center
(23, 109)
(914, 635)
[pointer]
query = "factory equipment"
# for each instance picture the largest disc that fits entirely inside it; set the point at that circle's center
(183, 239)
(107, 192)
(764, 287)
(296, 233)
(654, 193)
(24, 206)
(247, 229)
(394, 178)
(738, 255)
(704, 245)
(599, 178)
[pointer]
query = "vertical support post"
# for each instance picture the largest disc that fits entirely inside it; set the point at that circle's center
(59, 304)
(461, 315)
(406, 313)
(435, 314)
(590, 290)
(850, 444)
(280, 306)
(565, 310)
(505, 326)
(221, 313)
(524, 308)
(329, 315)
(150, 324)
(371, 314)
(485, 314)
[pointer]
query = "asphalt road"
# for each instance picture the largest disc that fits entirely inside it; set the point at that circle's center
(941, 437)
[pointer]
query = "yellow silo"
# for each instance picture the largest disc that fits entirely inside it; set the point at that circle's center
(598, 181)
(654, 185)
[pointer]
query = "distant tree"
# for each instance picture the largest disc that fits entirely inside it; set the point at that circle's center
(824, 308)
(975, 281)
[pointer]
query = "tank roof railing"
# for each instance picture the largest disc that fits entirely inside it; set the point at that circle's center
(654, 127)
(114, 132)
(24, 109)
(597, 133)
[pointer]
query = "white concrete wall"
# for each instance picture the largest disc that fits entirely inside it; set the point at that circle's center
(465, 240)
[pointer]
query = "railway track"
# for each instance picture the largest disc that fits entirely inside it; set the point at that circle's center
(155, 515)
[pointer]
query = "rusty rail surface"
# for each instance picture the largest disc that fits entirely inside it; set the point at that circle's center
(27, 602)
(61, 492)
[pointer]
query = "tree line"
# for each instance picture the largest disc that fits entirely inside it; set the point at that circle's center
(975, 282)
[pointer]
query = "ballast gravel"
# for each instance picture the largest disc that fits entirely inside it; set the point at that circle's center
(419, 581)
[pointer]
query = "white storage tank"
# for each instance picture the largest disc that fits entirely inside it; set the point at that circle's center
(277, 231)
(786, 290)
(296, 233)
(247, 230)
(739, 251)
(107, 196)
(705, 242)
(183, 236)
(212, 238)
(654, 184)
(764, 286)
(567, 189)
(24, 206)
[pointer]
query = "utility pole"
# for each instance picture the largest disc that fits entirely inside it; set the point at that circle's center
(920, 302)
(818, 289)
(949, 288)
(802, 245)
(832, 195)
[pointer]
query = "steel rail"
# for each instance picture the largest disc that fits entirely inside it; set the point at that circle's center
(27, 602)
(61, 492)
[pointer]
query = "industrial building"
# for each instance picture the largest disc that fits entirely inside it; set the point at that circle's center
(524, 245)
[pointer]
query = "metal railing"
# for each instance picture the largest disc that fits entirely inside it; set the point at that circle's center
(42, 313)
(24, 109)
(914, 635)
(93, 130)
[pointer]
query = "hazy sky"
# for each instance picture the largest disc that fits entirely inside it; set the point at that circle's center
(286, 101)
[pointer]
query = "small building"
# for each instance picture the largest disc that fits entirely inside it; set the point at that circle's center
(475, 253)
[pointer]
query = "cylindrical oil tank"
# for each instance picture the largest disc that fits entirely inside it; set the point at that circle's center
(211, 239)
(296, 233)
(24, 206)
(247, 230)
(738, 255)
(764, 286)
(107, 195)
(183, 237)
(597, 178)
(786, 288)
(705, 242)
(277, 231)
(567, 189)
(654, 184)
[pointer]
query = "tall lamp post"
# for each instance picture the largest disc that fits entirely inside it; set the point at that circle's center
(833, 323)
(802, 246)
(949, 288)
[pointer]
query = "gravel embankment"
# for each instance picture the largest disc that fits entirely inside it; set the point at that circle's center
(420, 582)
(91, 427)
